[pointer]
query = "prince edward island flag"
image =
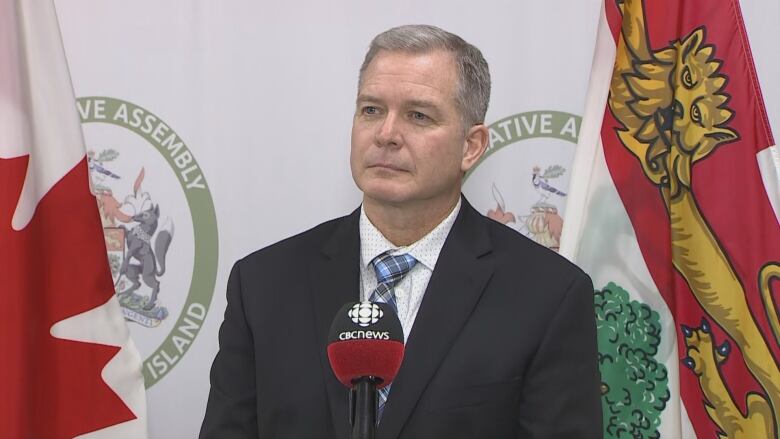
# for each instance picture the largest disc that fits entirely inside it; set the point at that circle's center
(673, 212)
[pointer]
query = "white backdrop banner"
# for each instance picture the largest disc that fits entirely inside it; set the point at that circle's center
(217, 128)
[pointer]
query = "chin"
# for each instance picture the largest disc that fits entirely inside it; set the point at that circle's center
(384, 192)
(386, 197)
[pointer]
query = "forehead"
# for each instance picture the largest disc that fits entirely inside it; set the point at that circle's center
(430, 74)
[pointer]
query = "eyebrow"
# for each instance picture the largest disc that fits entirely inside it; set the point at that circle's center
(421, 103)
(366, 98)
(412, 103)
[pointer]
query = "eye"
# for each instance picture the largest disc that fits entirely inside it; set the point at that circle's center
(696, 114)
(687, 77)
(369, 110)
(420, 117)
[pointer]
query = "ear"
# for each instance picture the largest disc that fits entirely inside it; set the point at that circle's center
(690, 45)
(474, 146)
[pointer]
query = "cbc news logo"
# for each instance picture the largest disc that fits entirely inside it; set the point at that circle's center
(365, 313)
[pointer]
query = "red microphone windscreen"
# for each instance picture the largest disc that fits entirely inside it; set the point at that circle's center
(366, 339)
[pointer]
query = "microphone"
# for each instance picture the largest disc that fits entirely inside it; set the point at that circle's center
(365, 349)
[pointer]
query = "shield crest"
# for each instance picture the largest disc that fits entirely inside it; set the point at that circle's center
(115, 247)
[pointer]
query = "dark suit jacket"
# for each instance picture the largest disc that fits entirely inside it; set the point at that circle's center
(503, 346)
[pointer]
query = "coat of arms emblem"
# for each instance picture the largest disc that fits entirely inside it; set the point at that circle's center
(137, 241)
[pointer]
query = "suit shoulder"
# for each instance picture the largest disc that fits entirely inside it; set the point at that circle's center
(297, 246)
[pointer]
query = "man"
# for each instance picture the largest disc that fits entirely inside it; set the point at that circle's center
(500, 331)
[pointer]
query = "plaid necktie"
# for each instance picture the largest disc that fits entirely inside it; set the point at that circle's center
(389, 270)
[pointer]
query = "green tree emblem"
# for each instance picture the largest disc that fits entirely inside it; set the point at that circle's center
(634, 388)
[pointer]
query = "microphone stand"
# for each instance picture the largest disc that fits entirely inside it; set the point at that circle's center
(362, 411)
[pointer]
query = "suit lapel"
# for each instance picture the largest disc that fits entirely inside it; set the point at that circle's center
(456, 285)
(334, 282)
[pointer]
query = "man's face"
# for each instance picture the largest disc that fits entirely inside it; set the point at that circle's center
(408, 141)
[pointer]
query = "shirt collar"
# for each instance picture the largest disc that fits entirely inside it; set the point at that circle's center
(426, 250)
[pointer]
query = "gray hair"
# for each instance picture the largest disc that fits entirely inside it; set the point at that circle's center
(473, 91)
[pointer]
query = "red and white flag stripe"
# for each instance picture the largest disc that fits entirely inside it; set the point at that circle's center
(69, 366)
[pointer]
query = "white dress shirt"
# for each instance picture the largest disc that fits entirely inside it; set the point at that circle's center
(410, 290)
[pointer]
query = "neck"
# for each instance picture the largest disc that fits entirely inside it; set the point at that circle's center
(403, 224)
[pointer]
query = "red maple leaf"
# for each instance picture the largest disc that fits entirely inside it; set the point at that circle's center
(53, 269)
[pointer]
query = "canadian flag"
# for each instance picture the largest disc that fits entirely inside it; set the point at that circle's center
(69, 368)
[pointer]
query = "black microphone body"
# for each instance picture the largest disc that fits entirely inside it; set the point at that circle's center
(363, 404)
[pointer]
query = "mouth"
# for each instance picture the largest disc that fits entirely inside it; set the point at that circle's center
(386, 167)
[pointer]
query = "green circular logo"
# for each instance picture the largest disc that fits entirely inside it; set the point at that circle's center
(137, 231)
(530, 125)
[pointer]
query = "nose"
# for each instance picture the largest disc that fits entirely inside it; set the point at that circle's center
(387, 133)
